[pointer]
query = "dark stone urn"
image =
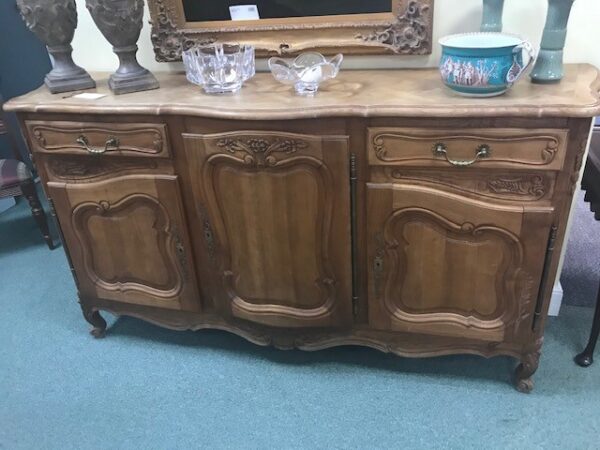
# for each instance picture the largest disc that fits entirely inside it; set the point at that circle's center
(120, 21)
(54, 22)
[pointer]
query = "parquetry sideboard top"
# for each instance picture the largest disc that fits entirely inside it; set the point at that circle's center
(373, 93)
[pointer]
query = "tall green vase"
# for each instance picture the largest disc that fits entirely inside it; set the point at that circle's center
(549, 65)
(492, 15)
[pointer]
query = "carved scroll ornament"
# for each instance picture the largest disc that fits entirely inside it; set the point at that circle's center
(410, 34)
(407, 31)
(167, 39)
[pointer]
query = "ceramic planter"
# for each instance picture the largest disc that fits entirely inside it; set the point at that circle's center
(483, 64)
(549, 65)
(120, 21)
(492, 15)
(54, 22)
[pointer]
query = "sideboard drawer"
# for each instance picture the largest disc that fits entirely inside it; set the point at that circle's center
(540, 149)
(101, 138)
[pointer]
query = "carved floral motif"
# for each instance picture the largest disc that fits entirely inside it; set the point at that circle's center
(82, 169)
(531, 186)
(259, 151)
(528, 187)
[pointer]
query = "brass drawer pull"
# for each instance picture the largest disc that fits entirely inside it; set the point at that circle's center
(483, 151)
(111, 142)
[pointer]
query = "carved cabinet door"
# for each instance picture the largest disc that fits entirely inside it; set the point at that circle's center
(444, 264)
(128, 240)
(275, 209)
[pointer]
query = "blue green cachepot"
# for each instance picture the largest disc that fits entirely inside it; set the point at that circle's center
(483, 64)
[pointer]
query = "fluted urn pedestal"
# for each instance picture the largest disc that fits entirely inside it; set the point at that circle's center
(54, 22)
(120, 21)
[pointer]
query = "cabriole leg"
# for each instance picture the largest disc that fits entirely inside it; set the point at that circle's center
(96, 320)
(525, 370)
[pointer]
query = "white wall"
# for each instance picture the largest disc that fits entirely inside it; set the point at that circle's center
(525, 17)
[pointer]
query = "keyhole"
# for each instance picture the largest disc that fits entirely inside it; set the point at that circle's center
(378, 265)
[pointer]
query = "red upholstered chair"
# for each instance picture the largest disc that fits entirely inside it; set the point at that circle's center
(16, 179)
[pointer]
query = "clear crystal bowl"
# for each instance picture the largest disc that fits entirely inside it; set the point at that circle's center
(306, 72)
(219, 67)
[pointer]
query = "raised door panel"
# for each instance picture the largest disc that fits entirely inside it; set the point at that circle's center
(128, 240)
(277, 224)
(448, 265)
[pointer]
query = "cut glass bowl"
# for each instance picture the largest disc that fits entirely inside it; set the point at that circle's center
(219, 67)
(306, 72)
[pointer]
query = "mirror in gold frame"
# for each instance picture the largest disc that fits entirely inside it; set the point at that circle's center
(288, 27)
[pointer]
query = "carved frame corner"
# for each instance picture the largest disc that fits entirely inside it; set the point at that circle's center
(410, 33)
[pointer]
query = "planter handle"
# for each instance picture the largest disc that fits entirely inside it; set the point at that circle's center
(516, 70)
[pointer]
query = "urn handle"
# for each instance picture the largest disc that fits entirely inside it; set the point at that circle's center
(112, 143)
(483, 151)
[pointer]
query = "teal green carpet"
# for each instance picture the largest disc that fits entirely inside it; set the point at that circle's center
(144, 387)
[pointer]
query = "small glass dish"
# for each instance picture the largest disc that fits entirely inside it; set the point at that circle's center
(306, 72)
(219, 68)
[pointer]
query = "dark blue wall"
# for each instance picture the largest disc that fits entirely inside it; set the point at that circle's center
(23, 63)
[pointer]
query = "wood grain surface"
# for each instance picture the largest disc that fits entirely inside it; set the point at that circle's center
(400, 93)
(309, 223)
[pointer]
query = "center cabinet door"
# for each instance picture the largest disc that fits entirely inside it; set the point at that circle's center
(276, 212)
(447, 264)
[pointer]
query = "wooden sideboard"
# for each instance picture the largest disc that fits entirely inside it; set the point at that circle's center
(386, 211)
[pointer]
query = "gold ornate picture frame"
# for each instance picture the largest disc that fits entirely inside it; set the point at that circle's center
(405, 30)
